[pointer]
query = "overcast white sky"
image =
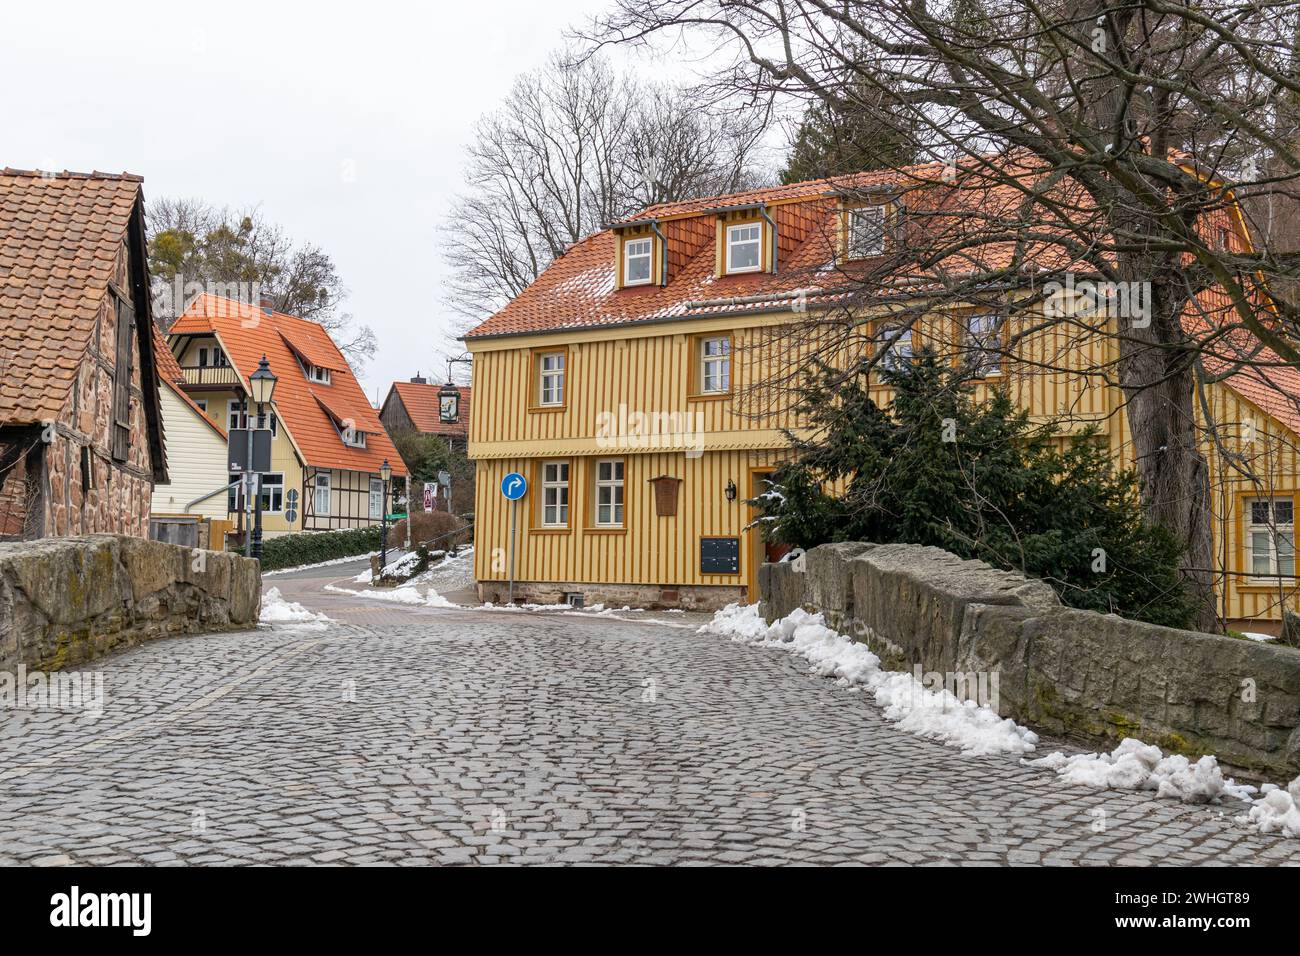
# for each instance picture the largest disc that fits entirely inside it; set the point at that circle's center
(265, 102)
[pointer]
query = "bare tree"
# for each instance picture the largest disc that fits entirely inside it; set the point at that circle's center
(193, 244)
(574, 147)
(1100, 139)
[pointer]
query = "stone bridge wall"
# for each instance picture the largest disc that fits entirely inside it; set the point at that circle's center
(64, 601)
(1080, 674)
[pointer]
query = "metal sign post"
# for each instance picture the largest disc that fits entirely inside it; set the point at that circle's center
(248, 487)
(513, 486)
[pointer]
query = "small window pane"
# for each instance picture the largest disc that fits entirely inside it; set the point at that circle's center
(866, 232)
(743, 248)
(1259, 512)
(1286, 554)
(1283, 511)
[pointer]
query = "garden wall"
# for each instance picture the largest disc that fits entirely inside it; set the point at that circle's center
(64, 601)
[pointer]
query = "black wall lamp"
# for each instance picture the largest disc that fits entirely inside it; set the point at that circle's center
(730, 491)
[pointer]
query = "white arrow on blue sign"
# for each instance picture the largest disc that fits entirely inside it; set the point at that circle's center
(514, 486)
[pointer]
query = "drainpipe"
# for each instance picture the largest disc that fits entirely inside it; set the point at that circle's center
(762, 211)
(663, 252)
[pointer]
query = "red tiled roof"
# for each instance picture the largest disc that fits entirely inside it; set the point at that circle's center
(60, 236)
(577, 290)
(422, 405)
(169, 370)
(248, 332)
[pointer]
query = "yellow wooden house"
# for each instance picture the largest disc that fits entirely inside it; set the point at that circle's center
(643, 386)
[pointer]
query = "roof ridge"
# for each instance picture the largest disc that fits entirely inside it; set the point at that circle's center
(69, 174)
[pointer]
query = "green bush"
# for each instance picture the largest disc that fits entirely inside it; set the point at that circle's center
(978, 479)
(292, 550)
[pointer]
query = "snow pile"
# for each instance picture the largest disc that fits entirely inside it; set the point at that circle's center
(1278, 811)
(433, 599)
(277, 611)
(406, 594)
(1134, 765)
(934, 714)
(402, 565)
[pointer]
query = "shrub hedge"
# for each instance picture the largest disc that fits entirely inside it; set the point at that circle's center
(292, 550)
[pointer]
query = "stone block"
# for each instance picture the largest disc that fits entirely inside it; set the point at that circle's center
(64, 601)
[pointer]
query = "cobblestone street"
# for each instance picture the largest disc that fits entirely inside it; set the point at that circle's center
(415, 735)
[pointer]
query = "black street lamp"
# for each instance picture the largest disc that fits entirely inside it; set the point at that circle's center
(262, 386)
(385, 472)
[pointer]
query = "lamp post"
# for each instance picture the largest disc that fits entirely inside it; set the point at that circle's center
(261, 384)
(385, 472)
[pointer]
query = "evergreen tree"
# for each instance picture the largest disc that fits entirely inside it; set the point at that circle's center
(859, 133)
(978, 479)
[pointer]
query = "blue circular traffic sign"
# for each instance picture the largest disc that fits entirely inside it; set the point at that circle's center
(514, 486)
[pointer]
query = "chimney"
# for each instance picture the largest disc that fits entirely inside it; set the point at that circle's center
(416, 379)
(267, 304)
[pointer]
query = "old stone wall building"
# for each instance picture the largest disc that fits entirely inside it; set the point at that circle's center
(81, 441)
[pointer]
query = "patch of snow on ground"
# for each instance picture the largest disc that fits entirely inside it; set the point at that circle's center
(1256, 636)
(934, 714)
(406, 594)
(276, 611)
(1134, 765)
(1277, 811)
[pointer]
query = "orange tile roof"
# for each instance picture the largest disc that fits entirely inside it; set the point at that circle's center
(59, 240)
(577, 290)
(422, 405)
(248, 332)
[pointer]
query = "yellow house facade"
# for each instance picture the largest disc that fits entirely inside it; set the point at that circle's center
(643, 385)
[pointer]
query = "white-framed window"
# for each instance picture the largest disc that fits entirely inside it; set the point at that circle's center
(1270, 537)
(609, 493)
(235, 417)
(203, 358)
(272, 488)
(203, 404)
(352, 436)
(550, 378)
(984, 344)
(896, 340)
(866, 232)
(268, 419)
(715, 364)
(376, 498)
(317, 374)
(321, 504)
(555, 494)
(219, 358)
(745, 247)
(637, 254)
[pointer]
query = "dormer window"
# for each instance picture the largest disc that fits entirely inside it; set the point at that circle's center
(351, 435)
(637, 255)
(866, 229)
(744, 247)
(317, 374)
